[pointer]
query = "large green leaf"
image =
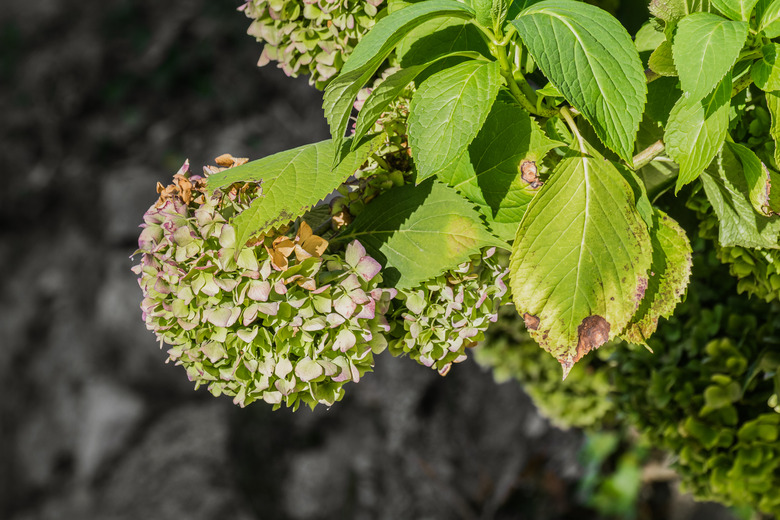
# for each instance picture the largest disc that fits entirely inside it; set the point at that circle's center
(736, 9)
(773, 104)
(768, 17)
(705, 48)
(291, 181)
(491, 174)
(418, 232)
(760, 180)
(371, 51)
(661, 61)
(766, 71)
(447, 111)
(696, 130)
(670, 272)
(739, 224)
(579, 263)
(592, 61)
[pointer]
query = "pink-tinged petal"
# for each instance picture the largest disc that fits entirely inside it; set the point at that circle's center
(468, 332)
(296, 322)
(345, 374)
(501, 285)
(345, 306)
(359, 296)
(460, 359)
(226, 284)
(321, 289)
(490, 252)
(314, 324)
(455, 345)
(427, 361)
(447, 293)
(459, 296)
(149, 238)
(220, 316)
(247, 334)
(482, 298)
(368, 310)
(443, 371)
(334, 320)
(345, 340)
(161, 287)
(307, 369)
(329, 367)
(250, 314)
(382, 323)
(213, 351)
(280, 288)
(355, 251)
(183, 236)
(355, 373)
(137, 269)
(268, 308)
(259, 290)
(350, 283)
(187, 325)
(368, 268)
(461, 323)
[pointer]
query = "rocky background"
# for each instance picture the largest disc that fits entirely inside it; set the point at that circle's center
(99, 101)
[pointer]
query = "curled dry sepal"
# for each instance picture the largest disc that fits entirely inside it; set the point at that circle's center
(312, 37)
(438, 320)
(283, 321)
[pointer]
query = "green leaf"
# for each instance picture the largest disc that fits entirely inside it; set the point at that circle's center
(727, 190)
(759, 180)
(491, 174)
(773, 106)
(291, 181)
(705, 48)
(579, 263)
(371, 51)
(736, 9)
(768, 17)
(661, 61)
(648, 38)
(766, 71)
(696, 130)
(381, 97)
(662, 94)
(669, 10)
(591, 59)
(670, 272)
(447, 111)
(418, 232)
(482, 9)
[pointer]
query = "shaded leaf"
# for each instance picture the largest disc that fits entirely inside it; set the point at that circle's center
(592, 61)
(766, 71)
(696, 130)
(371, 51)
(739, 224)
(661, 61)
(447, 111)
(670, 272)
(773, 106)
(759, 180)
(579, 262)
(705, 48)
(418, 232)
(492, 173)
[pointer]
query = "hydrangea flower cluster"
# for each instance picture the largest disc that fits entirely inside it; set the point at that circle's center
(312, 37)
(709, 392)
(283, 321)
(438, 320)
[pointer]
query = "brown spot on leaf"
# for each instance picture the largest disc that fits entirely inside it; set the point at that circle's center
(531, 321)
(641, 287)
(592, 333)
(530, 174)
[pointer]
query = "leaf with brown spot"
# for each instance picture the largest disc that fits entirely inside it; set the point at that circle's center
(759, 180)
(580, 256)
(668, 278)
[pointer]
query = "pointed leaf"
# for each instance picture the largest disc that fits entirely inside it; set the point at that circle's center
(661, 61)
(579, 263)
(418, 232)
(591, 59)
(705, 48)
(766, 71)
(696, 130)
(670, 272)
(736, 9)
(437, 38)
(768, 17)
(371, 51)
(773, 105)
(500, 171)
(759, 180)
(739, 224)
(447, 111)
(291, 182)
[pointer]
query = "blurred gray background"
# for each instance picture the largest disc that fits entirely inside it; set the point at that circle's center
(99, 100)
